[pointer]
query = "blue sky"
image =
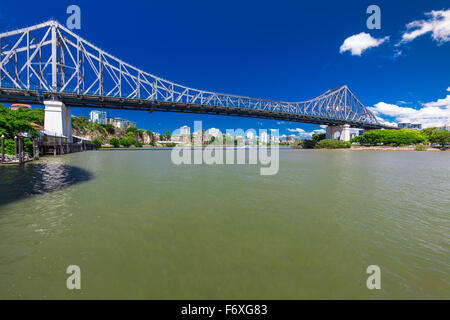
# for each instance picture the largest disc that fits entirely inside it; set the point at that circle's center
(286, 50)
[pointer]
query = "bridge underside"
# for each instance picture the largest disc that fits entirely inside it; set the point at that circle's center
(100, 102)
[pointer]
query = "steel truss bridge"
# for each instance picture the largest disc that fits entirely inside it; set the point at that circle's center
(49, 62)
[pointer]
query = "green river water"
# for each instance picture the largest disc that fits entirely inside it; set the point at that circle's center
(140, 227)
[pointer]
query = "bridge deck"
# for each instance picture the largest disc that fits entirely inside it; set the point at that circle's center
(99, 102)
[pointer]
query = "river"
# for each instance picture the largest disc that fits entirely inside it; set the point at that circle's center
(140, 227)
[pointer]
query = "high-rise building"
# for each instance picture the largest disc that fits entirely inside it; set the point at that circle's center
(407, 125)
(98, 116)
(264, 137)
(250, 135)
(445, 127)
(214, 132)
(185, 130)
(121, 123)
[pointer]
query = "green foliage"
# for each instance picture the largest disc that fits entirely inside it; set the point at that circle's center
(153, 144)
(127, 141)
(170, 145)
(391, 137)
(429, 132)
(114, 142)
(308, 144)
(110, 128)
(97, 142)
(318, 137)
(79, 123)
(9, 146)
(441, 137)
(167, 135)
(32, 115)
(132, 130)
(421, 147)
(138, 144)
(27, 146)
(332, 144)
(13, 122)
(83, 123)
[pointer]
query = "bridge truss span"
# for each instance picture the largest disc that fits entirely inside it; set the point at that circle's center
(49, 61)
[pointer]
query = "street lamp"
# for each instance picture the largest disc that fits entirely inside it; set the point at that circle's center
(3, 147)
(15, 147)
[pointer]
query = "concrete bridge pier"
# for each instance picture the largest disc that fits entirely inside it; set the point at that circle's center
(338, 132)
(58, 119)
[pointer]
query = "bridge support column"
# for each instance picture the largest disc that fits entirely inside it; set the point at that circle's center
(344, 132)
(58, 119)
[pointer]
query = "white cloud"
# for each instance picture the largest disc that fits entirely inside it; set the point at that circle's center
(438, 24)
(296, 130)
(439, 103)
(448, 89)
(432, 114)
(358, 43)
(302, 134)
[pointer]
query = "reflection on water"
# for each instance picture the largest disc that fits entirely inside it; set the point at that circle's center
(17, 182)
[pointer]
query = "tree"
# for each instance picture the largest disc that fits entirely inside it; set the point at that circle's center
(127, 141)
(332, 144)
(110, 128)
(79, 123)
(13, 122)
(318, 137)
(97, 143)
(442, 137)
(167, 136)
(429, 132)
(32, 115)
(114, 142)
(391, 137)
(132, 130)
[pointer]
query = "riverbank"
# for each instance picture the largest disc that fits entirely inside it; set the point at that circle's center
(392, 148)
